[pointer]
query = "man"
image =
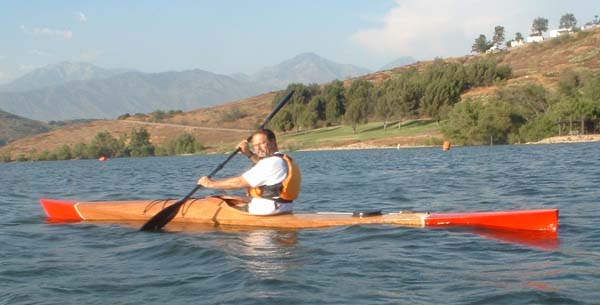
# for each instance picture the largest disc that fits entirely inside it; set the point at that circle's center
(273, 182)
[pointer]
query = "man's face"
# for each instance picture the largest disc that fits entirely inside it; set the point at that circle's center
(262, 146)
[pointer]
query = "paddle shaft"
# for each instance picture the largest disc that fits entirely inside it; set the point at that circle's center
(166, 215)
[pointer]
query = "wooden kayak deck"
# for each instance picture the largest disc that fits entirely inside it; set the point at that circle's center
(222, 211)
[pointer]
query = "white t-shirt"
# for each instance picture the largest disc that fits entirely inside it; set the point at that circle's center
(267, 171)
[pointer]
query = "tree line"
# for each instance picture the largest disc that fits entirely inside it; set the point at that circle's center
(136, 144)
(412, 93)
(528, 112)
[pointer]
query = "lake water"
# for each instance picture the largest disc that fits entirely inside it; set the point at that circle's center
(91, 263)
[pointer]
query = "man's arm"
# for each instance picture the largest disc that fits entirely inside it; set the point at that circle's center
(232, 183)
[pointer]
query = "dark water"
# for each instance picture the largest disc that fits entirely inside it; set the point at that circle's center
(87, 263)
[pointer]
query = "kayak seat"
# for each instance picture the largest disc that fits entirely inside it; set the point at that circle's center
(367, 213)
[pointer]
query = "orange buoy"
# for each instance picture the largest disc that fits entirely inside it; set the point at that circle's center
(446, 146)
(102, 158)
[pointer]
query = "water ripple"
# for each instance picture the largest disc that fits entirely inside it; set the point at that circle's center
(95, 263)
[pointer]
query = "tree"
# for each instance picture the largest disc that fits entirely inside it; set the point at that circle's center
(359, 97)
(80, 151)
(335, 101)
(386, 103)
(569, 84)
(481, 45)
(443, 83)
(103, 144)
(157, 116)
(519, 37)
(531, 100)
(63, 152)
(539, 26)
(283, 121)
(187, 144)
(307, 118)
(139, 143)
(498, 36)
(591, 89)
(567, 21)
(475, 122)
(399, 96)
(315, 111)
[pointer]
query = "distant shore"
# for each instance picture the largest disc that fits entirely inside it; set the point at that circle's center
(569, 139)
(552, 140)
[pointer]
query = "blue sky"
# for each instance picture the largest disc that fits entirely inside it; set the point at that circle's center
(243, 36)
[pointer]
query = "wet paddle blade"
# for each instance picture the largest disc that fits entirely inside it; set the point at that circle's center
(163, 217)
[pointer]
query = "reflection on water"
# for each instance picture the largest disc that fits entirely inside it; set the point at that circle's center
(266, 253)
(541, 240)
(263, 252)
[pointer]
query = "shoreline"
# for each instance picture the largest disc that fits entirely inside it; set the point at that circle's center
(551, 140)
(569, 139)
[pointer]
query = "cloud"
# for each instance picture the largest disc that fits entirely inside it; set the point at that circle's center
(66, 34)
(81, 17)
(429, 28)
(39, 53)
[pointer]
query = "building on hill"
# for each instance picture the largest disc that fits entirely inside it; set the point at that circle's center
(589, 26)
(559, 32)
(535, 38)
(493, 49)
(516, 43)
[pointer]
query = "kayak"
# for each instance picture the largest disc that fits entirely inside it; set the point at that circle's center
(226, 210)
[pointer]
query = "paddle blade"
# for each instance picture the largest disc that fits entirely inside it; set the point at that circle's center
(163, 217)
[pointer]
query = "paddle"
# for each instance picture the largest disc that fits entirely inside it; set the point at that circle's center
(166, 215)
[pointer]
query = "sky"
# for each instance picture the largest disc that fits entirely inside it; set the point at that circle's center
(243, 36)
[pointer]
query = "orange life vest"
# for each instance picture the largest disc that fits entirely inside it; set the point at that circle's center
(287, 190)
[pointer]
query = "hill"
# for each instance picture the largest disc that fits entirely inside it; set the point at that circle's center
(13, 127)
(400, 62)
(541, 63)
(206, 125)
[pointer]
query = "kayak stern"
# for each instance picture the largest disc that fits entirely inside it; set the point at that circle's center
(61, 210)
(533, 220)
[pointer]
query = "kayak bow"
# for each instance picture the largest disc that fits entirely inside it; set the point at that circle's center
(223, 211)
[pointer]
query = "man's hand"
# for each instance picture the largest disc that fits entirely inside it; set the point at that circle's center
(205, 181)
(245, 149)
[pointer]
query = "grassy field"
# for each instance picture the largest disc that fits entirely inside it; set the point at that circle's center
(422, 132)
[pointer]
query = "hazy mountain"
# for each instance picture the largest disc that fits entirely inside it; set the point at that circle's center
(305, 68)
(402, 61)
(83, 91)
(13, 127)
(59, 74)
(131, 92)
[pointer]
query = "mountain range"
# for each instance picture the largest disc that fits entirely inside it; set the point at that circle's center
(82, 91)
(58, 74)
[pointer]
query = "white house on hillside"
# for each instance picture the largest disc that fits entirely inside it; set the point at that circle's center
(535, 38)
(516, 43)
(556, 33)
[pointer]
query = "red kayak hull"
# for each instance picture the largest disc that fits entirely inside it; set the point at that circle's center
(536, 220)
